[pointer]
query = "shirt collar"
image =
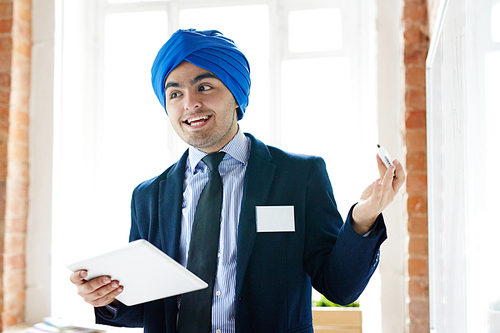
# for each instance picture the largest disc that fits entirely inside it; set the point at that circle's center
(238, 148)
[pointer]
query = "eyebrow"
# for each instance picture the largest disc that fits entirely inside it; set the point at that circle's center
(197, 79)
(171, 84)
(203, 76)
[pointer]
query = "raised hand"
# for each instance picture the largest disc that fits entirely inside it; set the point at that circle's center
(377, 196)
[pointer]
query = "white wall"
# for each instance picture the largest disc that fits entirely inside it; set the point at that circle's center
(38, 257)
(390, 111)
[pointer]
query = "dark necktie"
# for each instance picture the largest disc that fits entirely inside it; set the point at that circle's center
(195, 315)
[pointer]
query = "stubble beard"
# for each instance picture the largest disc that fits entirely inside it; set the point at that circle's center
(204, 140)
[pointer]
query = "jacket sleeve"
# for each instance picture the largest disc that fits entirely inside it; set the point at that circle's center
(122, 316)
(339, 261)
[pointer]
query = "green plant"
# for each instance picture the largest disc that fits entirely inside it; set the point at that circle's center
(325, 302)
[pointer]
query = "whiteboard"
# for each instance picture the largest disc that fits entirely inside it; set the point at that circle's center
(463, 162)
(446, 109)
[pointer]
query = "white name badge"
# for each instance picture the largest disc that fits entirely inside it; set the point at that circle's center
(275, 218)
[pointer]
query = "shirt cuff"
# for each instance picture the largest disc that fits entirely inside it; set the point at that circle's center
(108, 311)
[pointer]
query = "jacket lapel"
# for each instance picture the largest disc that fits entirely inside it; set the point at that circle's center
(170, 207)
(169, 220)
(258, 180)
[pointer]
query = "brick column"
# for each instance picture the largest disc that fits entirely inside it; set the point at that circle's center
(416, 45)
(15, 58)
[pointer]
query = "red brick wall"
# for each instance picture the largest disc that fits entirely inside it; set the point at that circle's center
(416, 45)
(15, 59)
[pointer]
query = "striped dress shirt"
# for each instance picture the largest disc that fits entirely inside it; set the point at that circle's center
(232, 170)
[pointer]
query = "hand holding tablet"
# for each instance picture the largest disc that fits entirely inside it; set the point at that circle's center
(144, 271)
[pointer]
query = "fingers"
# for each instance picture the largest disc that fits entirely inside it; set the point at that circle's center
(388, 177)
(78, 277)
(368, 192)
(381, 167)
(98, 292)
(393, 179)
(400, 176)
(383, 188)
(378, 195)
(396, 172)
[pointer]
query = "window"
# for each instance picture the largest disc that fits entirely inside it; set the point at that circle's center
(313, 91)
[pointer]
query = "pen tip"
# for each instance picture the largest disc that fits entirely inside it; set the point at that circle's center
(378, 146)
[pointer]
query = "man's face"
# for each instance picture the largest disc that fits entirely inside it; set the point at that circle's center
(200, 107)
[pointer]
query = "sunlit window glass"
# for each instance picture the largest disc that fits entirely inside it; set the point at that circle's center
(495, 23)
(315, 30)
(491, 273)
(319, 118)
(128, 100)
(312, 101)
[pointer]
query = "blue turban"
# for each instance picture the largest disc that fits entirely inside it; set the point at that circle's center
(209, 50)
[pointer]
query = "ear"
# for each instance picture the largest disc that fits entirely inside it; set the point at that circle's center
(237, 106)
(239, 114)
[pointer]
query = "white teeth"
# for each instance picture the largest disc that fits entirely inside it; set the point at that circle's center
(189, 121)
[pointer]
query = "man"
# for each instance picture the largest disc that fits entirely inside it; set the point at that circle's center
(262, 280)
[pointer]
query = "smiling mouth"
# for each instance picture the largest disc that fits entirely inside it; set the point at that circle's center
(197, 120)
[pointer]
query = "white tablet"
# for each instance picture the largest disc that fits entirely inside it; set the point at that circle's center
(144, 271)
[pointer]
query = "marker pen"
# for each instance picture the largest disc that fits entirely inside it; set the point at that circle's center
(382, 153)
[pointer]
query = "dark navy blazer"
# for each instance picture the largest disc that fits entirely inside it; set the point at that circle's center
(274, 270)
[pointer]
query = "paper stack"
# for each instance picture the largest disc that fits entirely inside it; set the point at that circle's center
(51, 325)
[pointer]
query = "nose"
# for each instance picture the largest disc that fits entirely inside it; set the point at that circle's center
(191, 102)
